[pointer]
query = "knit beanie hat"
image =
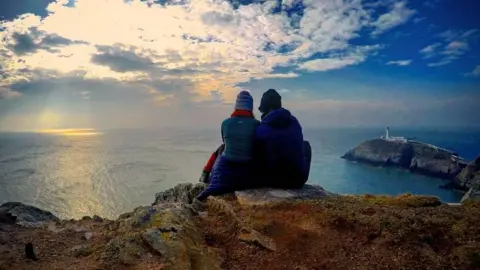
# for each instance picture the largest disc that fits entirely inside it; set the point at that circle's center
(244, 101)
(271, 100)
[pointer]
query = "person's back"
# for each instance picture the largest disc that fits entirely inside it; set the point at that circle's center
(238, 133)
(281, 147)
(233, 169)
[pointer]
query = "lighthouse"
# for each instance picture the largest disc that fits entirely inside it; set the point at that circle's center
(393, 139)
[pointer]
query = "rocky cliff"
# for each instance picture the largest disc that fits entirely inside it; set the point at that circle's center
(309, 228)
(414, 156)
(469, 179)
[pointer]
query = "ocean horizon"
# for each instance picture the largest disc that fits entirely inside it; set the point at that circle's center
(113, 171)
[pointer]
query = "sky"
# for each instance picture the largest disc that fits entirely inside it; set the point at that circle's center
(106, 64)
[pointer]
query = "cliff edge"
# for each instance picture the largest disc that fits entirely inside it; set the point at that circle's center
(415, 156)
(308, 228)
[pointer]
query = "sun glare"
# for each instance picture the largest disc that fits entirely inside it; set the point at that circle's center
(71, 132)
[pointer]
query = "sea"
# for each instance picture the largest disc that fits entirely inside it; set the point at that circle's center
(116, 171)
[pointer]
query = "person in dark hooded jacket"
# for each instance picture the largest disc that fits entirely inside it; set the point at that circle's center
(282, 155)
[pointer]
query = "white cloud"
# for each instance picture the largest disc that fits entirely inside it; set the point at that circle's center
(6, 93)
(441, 63)
(340, 60)
(419, 19)
(430, 50)
(456, 48)
(329, 63)
(202, 45)
(455, 44)
(475, 72)
(399, 14)
(400, 62)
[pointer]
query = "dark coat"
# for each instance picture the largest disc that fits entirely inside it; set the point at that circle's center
(280, 149)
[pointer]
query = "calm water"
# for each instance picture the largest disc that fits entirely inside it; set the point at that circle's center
(120, 170)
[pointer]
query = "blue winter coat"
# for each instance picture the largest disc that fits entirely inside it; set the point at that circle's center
(233, 169)
(281, 151)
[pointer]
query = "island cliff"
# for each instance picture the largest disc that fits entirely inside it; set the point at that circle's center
(415, 156)
(309, 228)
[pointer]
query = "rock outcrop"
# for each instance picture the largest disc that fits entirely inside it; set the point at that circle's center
(252, 229)
(469, 178)
(465, 178)
(25, 215)
(270, 195)
(166, 230)
(417, 157)
(184, 193)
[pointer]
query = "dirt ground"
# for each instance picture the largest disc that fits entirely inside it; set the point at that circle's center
(352, 233)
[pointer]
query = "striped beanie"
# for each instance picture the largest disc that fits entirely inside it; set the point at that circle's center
(244, 101)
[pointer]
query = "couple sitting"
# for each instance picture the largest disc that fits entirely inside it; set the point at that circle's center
(270, 153)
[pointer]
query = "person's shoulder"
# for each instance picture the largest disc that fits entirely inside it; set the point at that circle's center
(255, 121)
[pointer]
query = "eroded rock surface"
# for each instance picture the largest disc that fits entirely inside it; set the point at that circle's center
(185, 193)
(25, 215)
(271, 195)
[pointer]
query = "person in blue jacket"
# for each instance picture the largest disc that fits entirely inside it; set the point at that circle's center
(233, 167)
(283, 156)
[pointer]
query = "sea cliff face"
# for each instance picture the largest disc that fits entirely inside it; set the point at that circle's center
(308, 228)
(469, 178)
(417, 157)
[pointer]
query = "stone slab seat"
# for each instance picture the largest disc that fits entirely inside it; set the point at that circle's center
(271, 195)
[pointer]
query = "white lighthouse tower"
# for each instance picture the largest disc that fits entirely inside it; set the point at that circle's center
(393, 139)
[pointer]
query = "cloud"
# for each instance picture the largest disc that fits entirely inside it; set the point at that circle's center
(455, 44)
(441, 63)
(398, 15)
(452, 51)
(452, 35)
(32, 40)
(431, 3)
(456, 48)
(419, 20)
(400, 62)
(184, 50)
(475, 72)
(340, 60)
(121, 60)
(430, 50)
(6, 93)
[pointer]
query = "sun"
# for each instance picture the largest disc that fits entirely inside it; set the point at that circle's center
(49, 119)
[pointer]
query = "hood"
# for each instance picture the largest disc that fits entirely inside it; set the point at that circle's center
(279, 118)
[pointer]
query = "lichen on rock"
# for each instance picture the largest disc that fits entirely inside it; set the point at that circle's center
(185, 193)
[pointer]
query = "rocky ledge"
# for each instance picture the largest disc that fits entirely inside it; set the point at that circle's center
(309, 228)
(414, 156)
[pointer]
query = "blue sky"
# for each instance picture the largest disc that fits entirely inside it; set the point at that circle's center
(136, 64)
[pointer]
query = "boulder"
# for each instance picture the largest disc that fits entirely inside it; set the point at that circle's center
(25, 215)
(165, 229)
(270, 195)
(97, 218)
(185, 193)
